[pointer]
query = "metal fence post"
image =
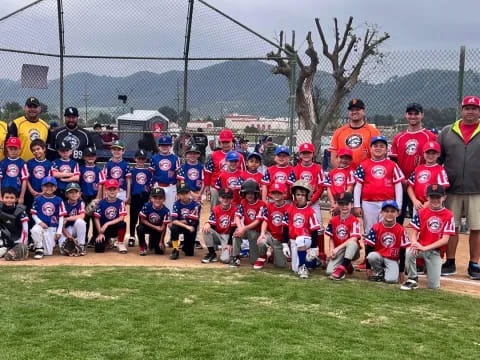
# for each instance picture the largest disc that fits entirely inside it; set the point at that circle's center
(62, 52)
(293, 84)
(461, 76)
(186, 50)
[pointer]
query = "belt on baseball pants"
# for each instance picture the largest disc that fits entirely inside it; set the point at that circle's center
(164, 185)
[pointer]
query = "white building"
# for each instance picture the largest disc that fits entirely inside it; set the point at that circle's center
(240, 122)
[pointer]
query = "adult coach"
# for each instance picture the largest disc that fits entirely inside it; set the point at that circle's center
(71, 133)
(3, 136)
(29, 127)
(356, 135)
(460, 144)
(407, 148)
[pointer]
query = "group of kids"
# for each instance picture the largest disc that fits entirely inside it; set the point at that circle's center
(276, 211)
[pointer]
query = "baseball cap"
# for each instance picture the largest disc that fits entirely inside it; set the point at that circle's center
(225, 135)
(183, 188)
(72, 186)
(97, 125)
(282, 149)
(157, 191)
(141, 154)
(64, 145)
(379, 138)
(391, 203)
(278, 187)
(165, 140)
(232, 156)
(306, 147)
(109, 127)
(32, 101)
(71, 111)
(243, 141)
(254, 154)
(193, 148)
(49, 180)
(118, 144)
(356, 103)
(471, 101)
(344, 198)
(111, 183)
(226, 193)
(414, 107)
(14, 142)
(53, 124)
(89, 151)
(345, 152)
(431, 145)
(435, 190)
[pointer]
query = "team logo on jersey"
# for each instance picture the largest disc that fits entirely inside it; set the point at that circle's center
(388, 239)
(12, 170)
(298, 221)
(65, 169)
(339, 179)
(280, 177)
(224, 221)
(73, 140)
(141, 178)
(33, 134)
(354, 141)
(154, 218)
(185, 213)
(277, 218)
(48, 209)
(116, 172)
(73, 212)
(434, 224)
(89, 176)
(424, 176)
(39, 172)
(165, 164)
(411, 147)
(232, 182)
(306, 175)
(379, 171)
(251, 214)
(222, 165)
(193, 174)
(342, 232)
(111, 212)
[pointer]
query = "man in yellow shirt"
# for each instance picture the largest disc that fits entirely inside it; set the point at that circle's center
(3, 136)
(29, 127)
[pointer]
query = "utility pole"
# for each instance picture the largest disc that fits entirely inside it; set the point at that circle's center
(178, 99)
(85, 100)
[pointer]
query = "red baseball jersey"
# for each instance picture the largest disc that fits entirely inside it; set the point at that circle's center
(215, 164)
(283, 175)
(251, 212)
(300, 221)
(425, 175)
(223, 219)
(407, 148)
(258, 176)
(232, 180)
(342, 230)
(314, 175)
(433, 224)
(338, 179)
(274, 216)
(378, 179)
(388, 241)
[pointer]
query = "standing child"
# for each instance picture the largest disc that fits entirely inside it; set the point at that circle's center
(64, 169)
(13, 224)
(385, 245)
(254, 162)
(431, 228)
(119, 169)
(13, 170)
(38, 168)
(141, 180)
(231, 177)
(74, 225)
(110, 219)
(281, 172)
(48, 212)
(341, 179)
(191, 173)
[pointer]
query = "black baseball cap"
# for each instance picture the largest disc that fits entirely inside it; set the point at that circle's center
(71, 111)
(157, 191)
(344, 198)
(193, 148)
(32, 101)
(183, 188)
(414, 107)
(356, 103)
(64, 145)
(141, 154)
(89, 151)
(97, 125)
(226, 193)
(435, 190)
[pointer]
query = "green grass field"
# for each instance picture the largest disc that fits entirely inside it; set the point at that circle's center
(157, 313)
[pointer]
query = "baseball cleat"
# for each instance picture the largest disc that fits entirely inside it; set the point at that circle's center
(209, 258)
(234, 262)
(260, 263)
(448, 269)
(142, 252)
(410, 284)
(131, 241)
(175, 254)
(339, 273)
(303, 272)
(474, 272)
(38, 254)
(122, 249)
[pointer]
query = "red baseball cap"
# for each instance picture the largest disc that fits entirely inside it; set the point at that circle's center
(14, 142)
(278, 187)
(471, 101)
(306, 147)
(431, 145)
(345, 152)
(225, 135)
(111, 183)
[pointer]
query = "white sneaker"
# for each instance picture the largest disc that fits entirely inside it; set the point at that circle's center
(38, 254)
(303, 272)
(122, 249)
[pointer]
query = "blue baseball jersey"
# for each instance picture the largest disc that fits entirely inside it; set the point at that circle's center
(110, 210)
(73, 210)
(141, 180)
(189, 211)
(68, 166)
(119, 171)
(13, 172)
(164, 168)
(90, 179)
(37, 170)
(191, 175)
(155, 216)
(48, 209)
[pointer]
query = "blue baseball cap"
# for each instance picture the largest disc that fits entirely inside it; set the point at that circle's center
(165, 140)
(282, 149)
(49, 180)
(391, 203)
(232, 156)
(379, 138)
(254, 154)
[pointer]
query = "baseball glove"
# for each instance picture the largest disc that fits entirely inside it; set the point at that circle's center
(90, 209)
(17, 253)
(70, 247)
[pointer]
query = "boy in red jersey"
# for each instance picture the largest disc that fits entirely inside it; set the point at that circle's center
(385, 245)
(340, 179)
(281, 172)
(343, 231)
(301, 229)
(231, 177)
(431, 229)
(254, 162)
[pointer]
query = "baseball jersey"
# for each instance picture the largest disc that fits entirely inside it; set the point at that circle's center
(141, 180)
(215, 164)
(378, 179)
(276, 174)
(425, 175)
(119, 171)
(189, 212)
(164, 168)
(78, 138)
(314, 175)
(155, 216)
(433, 224)
(340, 230)
(355, 139)
(232, 180)
(48, 209)
(13, 172)
(257, 177)
(407, 148)
(62, 166)
(388, 241)
(274, 215)
(222, 219)
(75, 209)
(109, 210)
(338, 179)
(248, 212)
(192, 175)
(300, 221)
(3, 136)
(28, 131)
(90, 179)
(37, 170)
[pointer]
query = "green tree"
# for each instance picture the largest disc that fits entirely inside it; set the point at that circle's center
(220, 122)
(438, 118)
(11, 110)
(251, 130)
(169, 112)
(103, 118)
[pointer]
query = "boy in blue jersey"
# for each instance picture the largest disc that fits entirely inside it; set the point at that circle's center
(141, 180)
(154, 218)
(185, 217)
(110, 219)
(164, 167)
(74, 223)
(118, 169)
(64, 168)
(191, 173)
(13, 170)
(48, 212)
(13, 222)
